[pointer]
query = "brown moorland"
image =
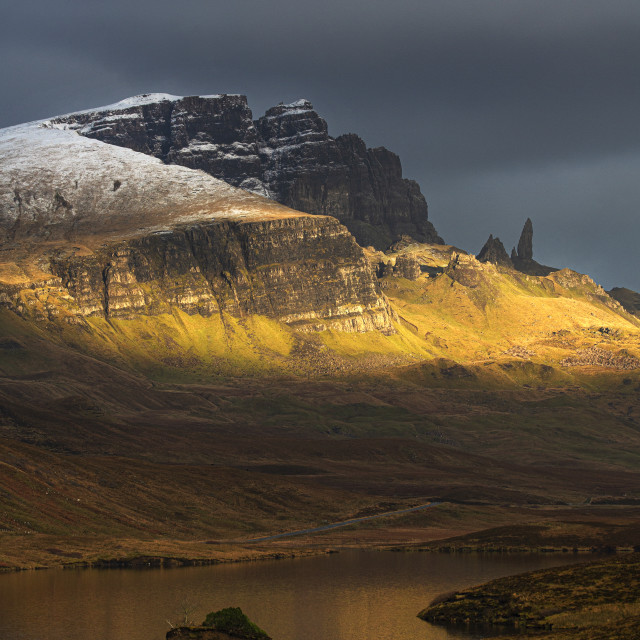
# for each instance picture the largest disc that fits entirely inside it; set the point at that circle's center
(101, 462)
(182, 362)
(593, 601)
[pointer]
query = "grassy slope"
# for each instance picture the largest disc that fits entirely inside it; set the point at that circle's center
(504, 327)
(478, 312)
(584, 602)
(317, 426)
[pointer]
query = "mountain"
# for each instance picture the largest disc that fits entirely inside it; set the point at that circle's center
(98, 230)
(287, 155)
(184, 363)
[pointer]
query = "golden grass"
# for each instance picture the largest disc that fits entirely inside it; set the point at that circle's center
(506, 328)
(598, 599)
(595, 616)
(181, 346)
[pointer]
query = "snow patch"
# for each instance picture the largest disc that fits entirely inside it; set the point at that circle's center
(54, 178)
(302, 102)
(137, 101)
(288, 148)
(143, 98)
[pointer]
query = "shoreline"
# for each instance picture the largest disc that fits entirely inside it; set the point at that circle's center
(152, 561)
(450, 528)
(582, 601)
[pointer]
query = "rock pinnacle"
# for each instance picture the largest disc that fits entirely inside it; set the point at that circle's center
(525, 245)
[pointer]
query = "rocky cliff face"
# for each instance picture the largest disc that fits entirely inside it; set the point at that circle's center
(306, 271)
(286, 155)
(113, 233)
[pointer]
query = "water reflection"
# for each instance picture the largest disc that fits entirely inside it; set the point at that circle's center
(347, 596)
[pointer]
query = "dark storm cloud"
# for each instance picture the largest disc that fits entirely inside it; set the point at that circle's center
(500, 109)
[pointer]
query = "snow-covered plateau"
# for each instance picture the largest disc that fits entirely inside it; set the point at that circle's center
(55, 183)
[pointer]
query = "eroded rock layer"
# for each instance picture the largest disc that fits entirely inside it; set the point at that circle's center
(286, 155)
(89, 229)
(305, 271)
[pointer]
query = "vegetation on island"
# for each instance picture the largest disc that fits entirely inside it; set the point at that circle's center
(234, 622)
(230, 622)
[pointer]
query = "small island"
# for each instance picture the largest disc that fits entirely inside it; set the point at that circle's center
(224, 624)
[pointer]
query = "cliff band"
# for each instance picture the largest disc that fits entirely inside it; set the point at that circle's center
(90, 229)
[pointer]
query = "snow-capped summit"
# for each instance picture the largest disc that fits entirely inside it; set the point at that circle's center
(287, 155)
(56, 183)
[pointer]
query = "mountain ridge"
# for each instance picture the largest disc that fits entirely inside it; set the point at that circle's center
(287, 154)
(115, 225)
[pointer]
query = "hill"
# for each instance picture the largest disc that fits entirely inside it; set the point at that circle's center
(183, 362)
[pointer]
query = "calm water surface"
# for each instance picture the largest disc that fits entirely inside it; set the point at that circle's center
(348, 596)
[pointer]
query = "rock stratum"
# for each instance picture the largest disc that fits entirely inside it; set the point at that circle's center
(286, 155)
(90, 229)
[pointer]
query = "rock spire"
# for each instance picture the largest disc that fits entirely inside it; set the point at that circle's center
(494, 251)
(525, 244)
(521, 258)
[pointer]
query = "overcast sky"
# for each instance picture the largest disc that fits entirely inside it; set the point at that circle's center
(500, 109)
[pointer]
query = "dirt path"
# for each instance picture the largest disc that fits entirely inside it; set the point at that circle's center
(335, 525)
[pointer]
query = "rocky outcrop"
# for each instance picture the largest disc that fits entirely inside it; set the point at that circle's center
(628, 298)
(305, 271)
(224, 624)
(522, 259)
(494, 251)
(406, 267)
(286, 155)
(584, 285)
(525, 244)
(596, 357)
(477, 276)
(138, 237)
